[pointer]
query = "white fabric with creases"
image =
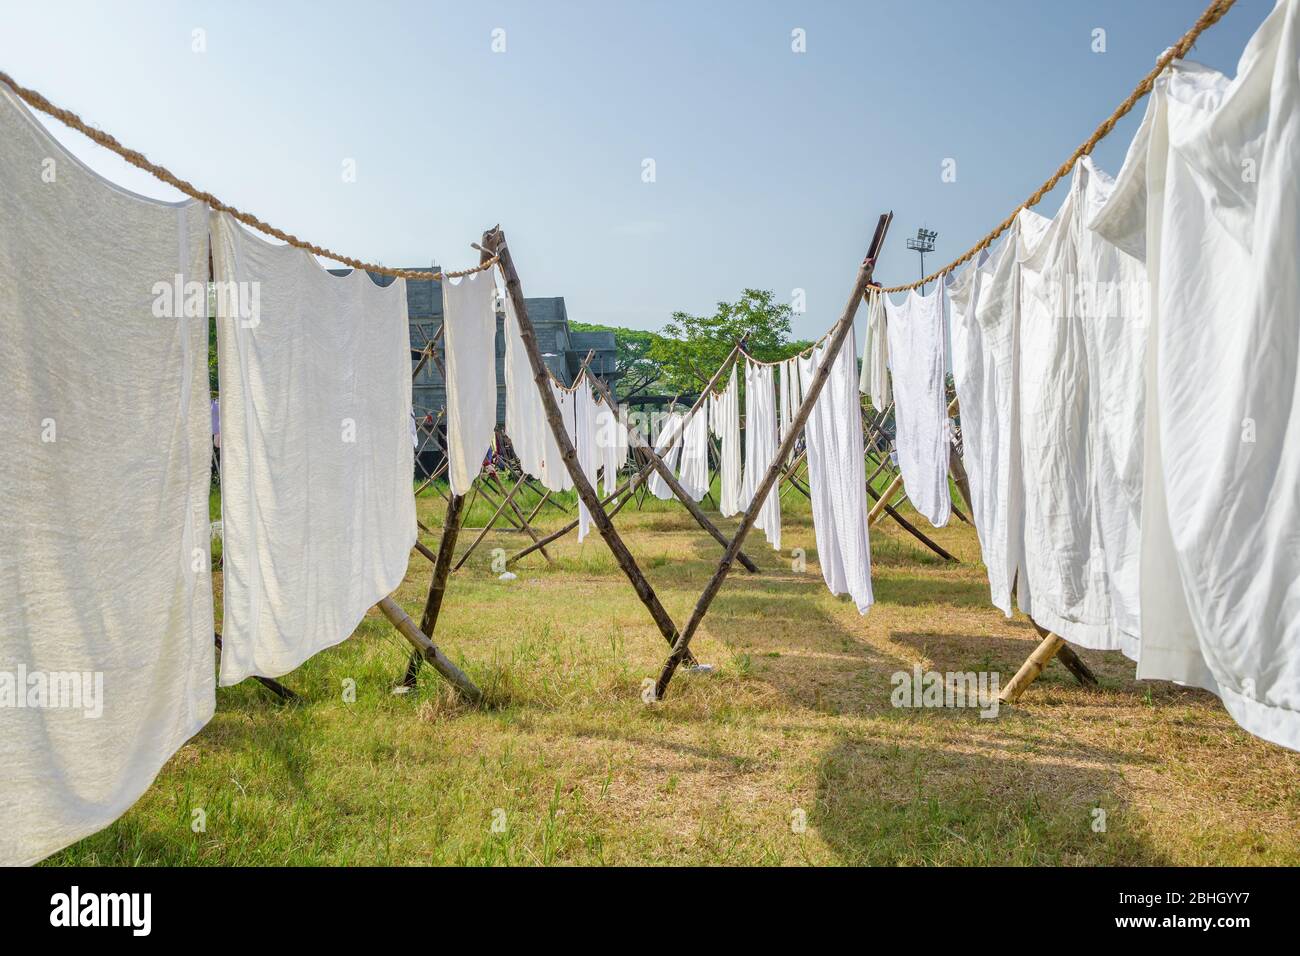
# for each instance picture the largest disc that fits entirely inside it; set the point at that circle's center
(1080, 530)
(1220, 582)
(469, 336)
(668, 446)
(837, 478)
(916, 334)
(724, 423)
(586, 439)
(102, 396)
(317, 507)
(694, 474)
(760, 448)
(526, 425)
(612, 443)
(985, 338)
(875, 354)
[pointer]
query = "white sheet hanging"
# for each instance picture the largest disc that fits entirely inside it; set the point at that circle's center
(317, 508)
(724, 422)
(668, 446)
(760, 448)
(526, 424)
(875, 354)
(837, 478)
(105, 391)
(555, 475)
(586, 438)
(1209, 195)
(612, 443)
(791, 396)
(985, 310)
(694, 475)
(1061, 429)
(916, 333)
(1113, 302)
(469, 336)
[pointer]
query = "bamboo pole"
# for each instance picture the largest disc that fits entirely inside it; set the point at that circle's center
(527, 522)
(494, 242)
(1030, 669)
(883, 501)
(438, 585)
(844, 326)
(488, 527)
(624, 490)
(426, 650)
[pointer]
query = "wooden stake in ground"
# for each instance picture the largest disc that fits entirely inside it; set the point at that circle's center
(843, 327)
(428, 651)
(438, 585)
(1052, 645)
(494, 243)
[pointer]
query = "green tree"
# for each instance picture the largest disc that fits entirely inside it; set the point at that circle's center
(691, 347)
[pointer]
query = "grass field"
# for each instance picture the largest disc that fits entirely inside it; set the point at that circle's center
(795, 725)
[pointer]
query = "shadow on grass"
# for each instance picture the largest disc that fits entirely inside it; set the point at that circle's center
(880, 802)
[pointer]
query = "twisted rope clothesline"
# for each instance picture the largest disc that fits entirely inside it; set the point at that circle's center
(1212, 15)
(808, 350)
(68, 118)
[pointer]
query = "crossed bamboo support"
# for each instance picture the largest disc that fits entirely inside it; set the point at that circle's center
(681, 647)
(494, 244)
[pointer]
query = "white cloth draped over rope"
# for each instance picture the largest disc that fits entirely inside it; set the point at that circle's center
(1070, 492)
(760, 448)
(111, 602)
(668, 446)
(469, 339)
(317, 507)
(612, 441)
(986, 370)
(526, 424)
(586, 436)
(916, 331)
(694, 475)
(1220, 537)
(837, 477)
(875, 355)
(724, 422)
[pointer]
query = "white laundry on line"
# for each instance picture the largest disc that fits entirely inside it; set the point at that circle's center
(760, 448)
(526, 424)
(837, 480)
(103, 303)
(694, 476)
(875, 354)
(1071, 494)
(586, 437)
(469, 329)
(668, 446)
(1221, 459)
(612, 443)
(317, 506)
(724, 423)
(916, 332)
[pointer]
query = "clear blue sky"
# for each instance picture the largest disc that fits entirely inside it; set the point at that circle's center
(771, 166)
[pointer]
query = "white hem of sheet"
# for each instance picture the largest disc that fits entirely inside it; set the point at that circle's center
(123, 806)
(277, 669)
